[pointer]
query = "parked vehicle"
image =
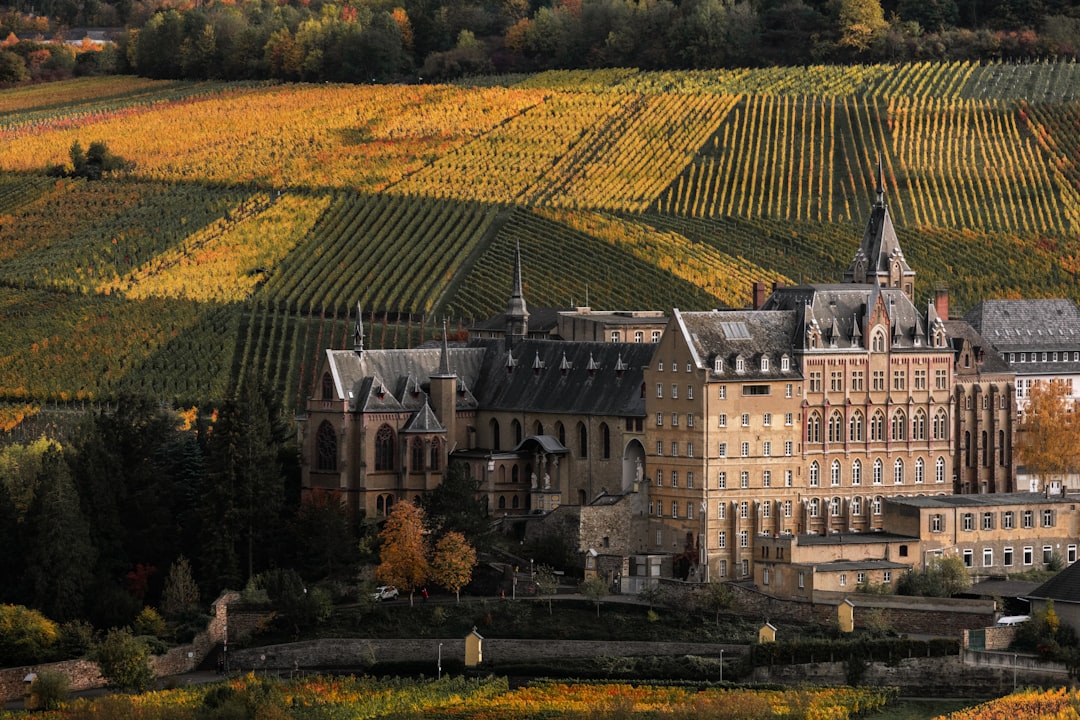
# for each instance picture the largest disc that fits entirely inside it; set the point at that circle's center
(386, 592)
(1010, 620)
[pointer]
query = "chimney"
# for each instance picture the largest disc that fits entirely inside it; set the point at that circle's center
(941, 302)
(759, 296)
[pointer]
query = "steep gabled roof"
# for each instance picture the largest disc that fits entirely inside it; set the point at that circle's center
(540, 382)
(1063, 587)
(749, 334)
(424, 421)
(879, 246)
(1017, 325)
(399, 371)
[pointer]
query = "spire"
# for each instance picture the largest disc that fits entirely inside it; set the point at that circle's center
(358, 330)
(879, 259)
(444, 355)
(517, 313)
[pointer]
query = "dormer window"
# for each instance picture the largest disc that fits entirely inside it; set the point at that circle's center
(740, 365)
(764, 363)
(785, 364)
(718, 365)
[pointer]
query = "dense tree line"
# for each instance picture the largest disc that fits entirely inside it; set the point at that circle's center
(376, 40)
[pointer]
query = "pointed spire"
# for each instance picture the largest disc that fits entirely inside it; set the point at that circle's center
(880, 181)
(444, 355)
(358, 330)
(517, 313)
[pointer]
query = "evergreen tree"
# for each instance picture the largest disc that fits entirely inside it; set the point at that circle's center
(60, 554)
(243, 496)
(457, 505)
(12, 562)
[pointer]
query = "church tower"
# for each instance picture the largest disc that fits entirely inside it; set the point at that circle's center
(517, 314)
(879, 259)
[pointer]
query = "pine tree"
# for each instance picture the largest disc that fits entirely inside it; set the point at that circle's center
(61, 555)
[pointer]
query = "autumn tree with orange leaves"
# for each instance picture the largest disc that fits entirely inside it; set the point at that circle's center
(403, 559)
(453, 563)
(1048, 443)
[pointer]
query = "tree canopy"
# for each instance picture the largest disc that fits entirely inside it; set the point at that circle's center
(403, 558)
(1048, 442)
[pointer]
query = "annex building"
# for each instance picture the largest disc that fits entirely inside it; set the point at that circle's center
(701, 444)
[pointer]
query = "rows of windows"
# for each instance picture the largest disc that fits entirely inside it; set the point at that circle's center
(745, 449)
(838, 430)
(1062, 356)
(639, 336)
(899, 472)
(1008, 556)
(582, 445)
(992, 520)
(856, 380)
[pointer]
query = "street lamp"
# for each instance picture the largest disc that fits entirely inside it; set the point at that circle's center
(440, 662)
(721, 664)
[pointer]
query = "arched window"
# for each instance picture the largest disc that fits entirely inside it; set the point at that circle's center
(878, 343)
(877, 427)
(502, 502)
(939, 470)
(834, 507)
(813, 428)
(326, 448)
(836, 427)
(561, 432)
(920, 471)
(815, 474)
(538, 429)
(877, 505)
(856, 473)
(985, 450)
(583, 440)
(384, 448)
(918, 425)
(515, 502)
(898, 427)
(879, 470)
(417, 455)
(967, 448)
(515, 426)
(384, 504)
(494, 425)
(1001, 447)
(898, 472)
(834, 473)
(515, 474)
(436, 455)
(856, 506)
(941, 425)
(327, 387)
(605, 441)
(815, 507)
(855, 427)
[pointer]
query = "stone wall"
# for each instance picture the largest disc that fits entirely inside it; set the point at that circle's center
(81, 674)
(927, 677)
(908, 615)
(356, 653)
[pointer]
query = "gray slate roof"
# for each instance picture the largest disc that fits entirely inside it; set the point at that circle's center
(960, 331)
(1026, 325)
(555, 377)
(359, 377)
(974, 501)
(751, 334)
(1063, 587)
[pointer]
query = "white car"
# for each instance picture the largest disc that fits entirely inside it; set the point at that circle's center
(386, 592)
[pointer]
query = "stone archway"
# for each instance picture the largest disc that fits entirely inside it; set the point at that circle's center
(633, 466)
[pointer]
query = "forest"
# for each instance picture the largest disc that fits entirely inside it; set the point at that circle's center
(368, 41)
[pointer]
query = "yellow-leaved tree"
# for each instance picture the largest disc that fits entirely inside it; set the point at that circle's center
(403, 556)
(1048, 444)
(453, 563)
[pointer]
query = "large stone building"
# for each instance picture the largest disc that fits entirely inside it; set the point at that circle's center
(692, 449)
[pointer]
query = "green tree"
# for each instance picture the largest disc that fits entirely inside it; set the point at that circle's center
(595, 589)
(453, 563)
(324, 542)
(859, 21)
(715, 598)
(457, 505)
(12, 68)
(12, 563)
(124, 661)
(547, 582)
(403, 555)
(61, 555)
(50, 689)
(181, 593)
(245, 487)
(149, 622)
(942, 577)
(26, 636)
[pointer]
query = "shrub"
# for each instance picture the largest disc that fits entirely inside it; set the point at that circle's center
(124, 661)
(26, 636)
(50, 688)
(149, 622)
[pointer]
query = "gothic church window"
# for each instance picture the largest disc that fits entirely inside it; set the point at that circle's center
(326, 448)
(384, 449)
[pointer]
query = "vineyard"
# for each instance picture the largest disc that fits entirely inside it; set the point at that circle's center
(240, 242)
(320, 697)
